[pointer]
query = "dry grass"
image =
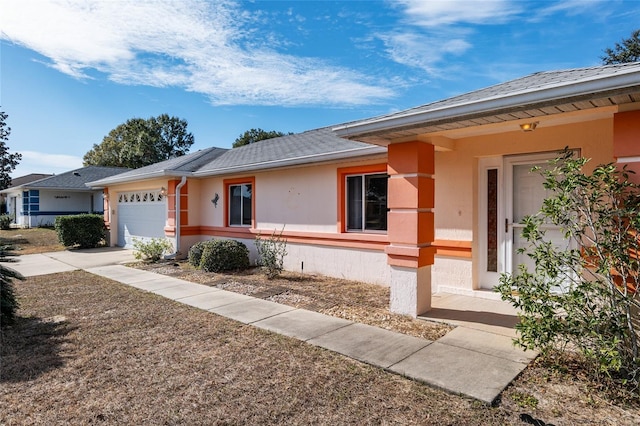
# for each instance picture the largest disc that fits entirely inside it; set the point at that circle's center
(87, 350)
(31, 240)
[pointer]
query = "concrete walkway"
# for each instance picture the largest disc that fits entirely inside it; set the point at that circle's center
(471, 361)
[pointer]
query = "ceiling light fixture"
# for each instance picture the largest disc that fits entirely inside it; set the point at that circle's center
(529, 127)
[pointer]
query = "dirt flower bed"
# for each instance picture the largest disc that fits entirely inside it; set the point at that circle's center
(354, 301)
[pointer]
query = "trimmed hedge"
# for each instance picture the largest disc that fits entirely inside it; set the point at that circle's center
(224, 255)
(195, 254)
(83, 230)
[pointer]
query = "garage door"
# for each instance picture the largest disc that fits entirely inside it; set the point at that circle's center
(141, 215)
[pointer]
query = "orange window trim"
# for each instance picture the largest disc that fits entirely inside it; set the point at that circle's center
(342, 192)
(239, 181)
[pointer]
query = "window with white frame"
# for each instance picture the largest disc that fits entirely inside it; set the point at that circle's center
(240, 204)
(366, 202)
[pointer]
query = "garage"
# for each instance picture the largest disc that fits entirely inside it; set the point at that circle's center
(141, 215)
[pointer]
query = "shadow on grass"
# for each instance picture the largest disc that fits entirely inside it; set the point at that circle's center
(31, 347)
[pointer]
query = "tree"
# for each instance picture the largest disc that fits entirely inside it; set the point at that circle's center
(256, 135)
(8, 162)
(139, 142)
(626, 51)
(597, 310)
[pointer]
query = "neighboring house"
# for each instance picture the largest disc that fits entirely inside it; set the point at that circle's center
(39, 202)
(22, 180)
(433, 201)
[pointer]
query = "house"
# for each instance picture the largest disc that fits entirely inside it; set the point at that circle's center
(423, 200)
(21, 180)
(38, 202)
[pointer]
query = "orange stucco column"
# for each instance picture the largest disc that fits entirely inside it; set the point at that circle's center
(626, 141)
(170, 229)
(410, 225)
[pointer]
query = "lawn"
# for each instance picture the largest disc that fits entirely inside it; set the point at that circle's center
(89, 350)
(31, 240)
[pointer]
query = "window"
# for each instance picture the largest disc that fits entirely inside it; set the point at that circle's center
(366, 202)
(240, 205)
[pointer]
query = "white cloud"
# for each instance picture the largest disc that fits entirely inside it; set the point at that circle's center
(40, 162)
(205, 47)
(447, 12)
(438, 30)
(422, 51)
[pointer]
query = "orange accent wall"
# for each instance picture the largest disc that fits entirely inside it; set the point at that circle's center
(626, 140)
(342, 174)
(411, 192)
(626, 134)
(410, 227)
(236, 181)
(410, 223)
(411, 157)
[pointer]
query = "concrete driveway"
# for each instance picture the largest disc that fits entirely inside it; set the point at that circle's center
(69, 260)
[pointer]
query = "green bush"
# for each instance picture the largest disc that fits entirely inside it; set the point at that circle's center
(271, 253)
(224, 255)
(598, 310)
(151, 250)
(5, 221)
(195, 254)
(83, 230)
(8, 301)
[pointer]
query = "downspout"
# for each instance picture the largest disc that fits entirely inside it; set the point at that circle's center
(183, 181)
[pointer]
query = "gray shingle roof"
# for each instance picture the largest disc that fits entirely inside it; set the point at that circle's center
(301, 148)
(531, 83)
(530, 96)
(22, 180)
(75, 180)
(178, 166)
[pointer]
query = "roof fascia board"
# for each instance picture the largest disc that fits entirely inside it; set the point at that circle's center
(518, 99)
(145, 176)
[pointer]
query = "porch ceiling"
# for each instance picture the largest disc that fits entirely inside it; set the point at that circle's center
(447, 126)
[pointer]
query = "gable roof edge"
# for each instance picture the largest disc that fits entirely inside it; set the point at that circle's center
(601, 86)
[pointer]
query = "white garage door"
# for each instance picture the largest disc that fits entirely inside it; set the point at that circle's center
(141, 215)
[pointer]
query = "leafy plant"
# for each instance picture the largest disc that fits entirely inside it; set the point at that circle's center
(195, 253)
(151, 250)
(271, 253)
(598, 311)
(83, 230)
(224, 255)
(5, 221)
(8, 301)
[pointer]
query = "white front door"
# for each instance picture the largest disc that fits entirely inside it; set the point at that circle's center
(510, 191)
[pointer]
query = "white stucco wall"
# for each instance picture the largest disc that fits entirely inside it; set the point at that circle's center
(298, 201)
(347, 263)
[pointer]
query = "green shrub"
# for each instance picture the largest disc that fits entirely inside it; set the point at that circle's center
(83, 230)
(8, 301)
(151, 250)
(598, 311)
(224, 255)
(5, 221)
(195, 253)
(271, 253)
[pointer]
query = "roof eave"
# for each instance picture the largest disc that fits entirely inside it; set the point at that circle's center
(598, 87)
(115, 180)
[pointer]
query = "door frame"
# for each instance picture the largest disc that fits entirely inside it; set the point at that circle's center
(504, 166)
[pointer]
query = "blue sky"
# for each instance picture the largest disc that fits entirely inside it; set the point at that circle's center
(70, 71)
